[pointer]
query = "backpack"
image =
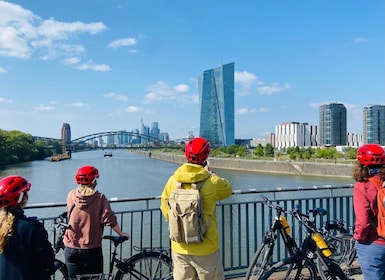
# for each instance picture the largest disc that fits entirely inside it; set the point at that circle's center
(186, 219)
(380, 205)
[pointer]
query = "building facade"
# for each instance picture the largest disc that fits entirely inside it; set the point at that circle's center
(295, 134)
(332, 125)
(216, 98)
(66, 134)
(374, 124)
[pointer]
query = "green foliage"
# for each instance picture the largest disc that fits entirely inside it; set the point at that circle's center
(16, 146)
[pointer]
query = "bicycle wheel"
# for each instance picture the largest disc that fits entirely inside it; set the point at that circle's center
(146, 265)
(331, 271)
(261, 261)
(60, 272)
(292, 268)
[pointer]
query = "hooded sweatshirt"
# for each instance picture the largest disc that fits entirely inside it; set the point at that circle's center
(91, 213)
(215, 188)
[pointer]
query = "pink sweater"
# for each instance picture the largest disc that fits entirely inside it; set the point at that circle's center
(87, 219)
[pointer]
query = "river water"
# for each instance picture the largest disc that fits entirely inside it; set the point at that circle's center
(128, 175)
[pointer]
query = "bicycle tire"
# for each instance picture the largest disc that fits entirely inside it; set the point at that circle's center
(333, 271)
(292, 268)
(146, 265)
(61, 272)
(261, 261)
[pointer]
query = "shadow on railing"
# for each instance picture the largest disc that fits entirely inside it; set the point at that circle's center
(241, 220)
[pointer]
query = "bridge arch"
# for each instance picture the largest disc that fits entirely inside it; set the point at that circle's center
(125, 138)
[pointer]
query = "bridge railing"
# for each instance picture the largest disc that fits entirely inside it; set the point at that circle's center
(241, 220)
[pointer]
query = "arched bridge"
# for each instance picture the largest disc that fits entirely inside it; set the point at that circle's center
(125, 138)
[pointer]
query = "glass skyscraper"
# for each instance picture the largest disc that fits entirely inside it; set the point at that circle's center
(332, 125)
(374, 124)
(216, 98)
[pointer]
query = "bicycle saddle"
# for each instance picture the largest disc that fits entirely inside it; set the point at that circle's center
(318, 211)
(116, 239)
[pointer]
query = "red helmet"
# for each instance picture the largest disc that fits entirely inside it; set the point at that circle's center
(12, 189)
(197, 150)
(86, 175)
(371, 154)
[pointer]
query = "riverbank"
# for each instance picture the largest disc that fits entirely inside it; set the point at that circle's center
(265, 166)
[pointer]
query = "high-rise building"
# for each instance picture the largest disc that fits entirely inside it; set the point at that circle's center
(295, 134)
(66, 133)
(332, 125)
(216, 98)
(374, 124)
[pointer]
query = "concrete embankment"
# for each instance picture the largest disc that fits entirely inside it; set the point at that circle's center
(265, 166)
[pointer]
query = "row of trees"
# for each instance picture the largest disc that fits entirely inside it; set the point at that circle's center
(16, 146)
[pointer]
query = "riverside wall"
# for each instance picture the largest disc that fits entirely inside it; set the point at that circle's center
(266, 166)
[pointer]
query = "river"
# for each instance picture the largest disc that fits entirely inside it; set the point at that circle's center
(127, 174)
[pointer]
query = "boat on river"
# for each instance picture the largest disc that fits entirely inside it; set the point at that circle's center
(108, 154)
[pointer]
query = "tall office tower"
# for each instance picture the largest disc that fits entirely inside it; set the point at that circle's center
(66, 133)
(154, 132)
(332, 125)
(216, 98)
(374, 124)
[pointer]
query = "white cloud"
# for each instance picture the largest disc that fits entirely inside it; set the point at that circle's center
(116, 96)
(5, 100)
(78, 104)
(161, 91)
(43, 107)
(245, 111)
(359, 40)
(133, 109)
(2, 70)
(23, 34)
(246, 81)
(263, 110)
(75, 63)
(272, 89)
(181, 88)
(125, 42)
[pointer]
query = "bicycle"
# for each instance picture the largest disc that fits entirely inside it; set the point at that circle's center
(342, 244)
(313, 260)
(263, 257)
(149, 263)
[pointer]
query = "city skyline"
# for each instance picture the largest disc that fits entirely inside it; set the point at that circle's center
(105, 66)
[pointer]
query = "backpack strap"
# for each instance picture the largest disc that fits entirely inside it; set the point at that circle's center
(377, 182)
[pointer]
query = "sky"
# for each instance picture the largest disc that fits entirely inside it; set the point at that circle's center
(104, 65)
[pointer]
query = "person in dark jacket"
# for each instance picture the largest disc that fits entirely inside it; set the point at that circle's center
(89, 212)
(25, 251)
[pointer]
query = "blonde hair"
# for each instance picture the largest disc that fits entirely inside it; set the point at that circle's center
(6, 227)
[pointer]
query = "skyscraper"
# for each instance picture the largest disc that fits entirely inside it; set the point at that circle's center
(332, 125)
(66, 134)
(374, 124)
(216, 98)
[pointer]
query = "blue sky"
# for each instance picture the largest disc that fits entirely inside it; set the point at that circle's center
(103, 65)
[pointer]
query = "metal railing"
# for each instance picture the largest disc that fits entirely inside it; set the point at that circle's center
(241, 220)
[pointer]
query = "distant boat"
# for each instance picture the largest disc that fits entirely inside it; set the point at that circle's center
(108, 154)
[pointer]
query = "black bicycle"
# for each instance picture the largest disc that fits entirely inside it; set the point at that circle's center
(262, 259)
(313, 260)
(149, 263)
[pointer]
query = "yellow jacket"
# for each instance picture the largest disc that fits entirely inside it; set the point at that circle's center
(215, 188)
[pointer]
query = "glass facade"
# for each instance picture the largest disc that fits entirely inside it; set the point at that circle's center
(374, 124)
(332, 125)
(216, 98)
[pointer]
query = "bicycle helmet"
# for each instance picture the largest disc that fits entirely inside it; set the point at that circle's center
(86, 175)
(12, 189)
(197, 150)
(371, 154)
